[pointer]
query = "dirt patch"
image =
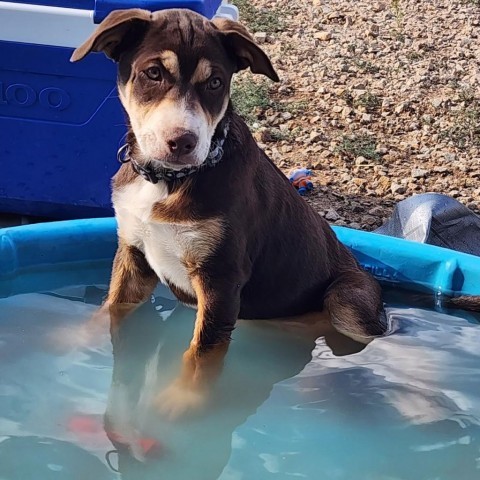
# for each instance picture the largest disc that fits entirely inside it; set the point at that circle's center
(381, 99)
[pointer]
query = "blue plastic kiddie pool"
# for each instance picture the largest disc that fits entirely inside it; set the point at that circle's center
(29, 253)
(405, 407)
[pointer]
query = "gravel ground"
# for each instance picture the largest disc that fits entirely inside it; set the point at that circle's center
(380, 99)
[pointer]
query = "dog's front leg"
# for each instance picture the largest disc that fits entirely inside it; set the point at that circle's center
(218, 303)
(132, 282)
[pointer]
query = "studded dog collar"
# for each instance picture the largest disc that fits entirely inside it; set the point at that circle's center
(153, 175)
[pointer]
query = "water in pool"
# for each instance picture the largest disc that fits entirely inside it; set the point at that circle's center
(405, 407)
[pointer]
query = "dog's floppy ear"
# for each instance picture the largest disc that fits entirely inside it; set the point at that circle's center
(243, 46)
(110, 34)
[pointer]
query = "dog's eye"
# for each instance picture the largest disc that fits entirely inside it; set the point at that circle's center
(214, 83)
(153, 73)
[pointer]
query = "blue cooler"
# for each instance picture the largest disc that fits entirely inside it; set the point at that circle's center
(62, 123)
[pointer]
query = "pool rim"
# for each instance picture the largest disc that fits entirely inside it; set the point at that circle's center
(45, 256)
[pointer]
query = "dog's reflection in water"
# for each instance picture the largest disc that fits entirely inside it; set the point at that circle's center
(147, 357)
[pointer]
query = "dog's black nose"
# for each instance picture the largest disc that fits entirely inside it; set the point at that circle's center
(183, 144)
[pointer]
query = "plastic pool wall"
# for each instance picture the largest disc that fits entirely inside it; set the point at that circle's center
(47, 256)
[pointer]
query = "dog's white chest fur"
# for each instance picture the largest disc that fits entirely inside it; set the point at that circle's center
(165, 245)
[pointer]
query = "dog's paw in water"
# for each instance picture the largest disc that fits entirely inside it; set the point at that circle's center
(180, 400)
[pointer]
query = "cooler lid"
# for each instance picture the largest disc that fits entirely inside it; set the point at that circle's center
(80, 4)
(102, 8)
(68, 23)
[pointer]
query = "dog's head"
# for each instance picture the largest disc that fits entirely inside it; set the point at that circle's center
(174, 74)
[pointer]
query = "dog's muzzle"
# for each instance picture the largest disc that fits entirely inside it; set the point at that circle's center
(154, 174)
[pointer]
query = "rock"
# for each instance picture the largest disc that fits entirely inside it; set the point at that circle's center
(334, 15)
(401, 107)
(383, 185)
(260, 37)
(419, 173)
(386, 104)
(380, 169)
(358, 93)
(436, 102)
(356, 208)
(315, 136)
(369, 220)
(397, 189)
(323, 36)
(332, 215)
(366, 118)
(441, 169)
(359, 86)
(378, 7)
(376, 212)
(345, 178)
(361, 161)
(381, 149)
(360, 182)
(373, 31)
(317, 164)
(262, 135)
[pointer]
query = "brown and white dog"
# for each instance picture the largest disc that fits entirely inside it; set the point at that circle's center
(201, 208)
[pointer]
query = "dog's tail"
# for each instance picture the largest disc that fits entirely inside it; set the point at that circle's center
(465, 302)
